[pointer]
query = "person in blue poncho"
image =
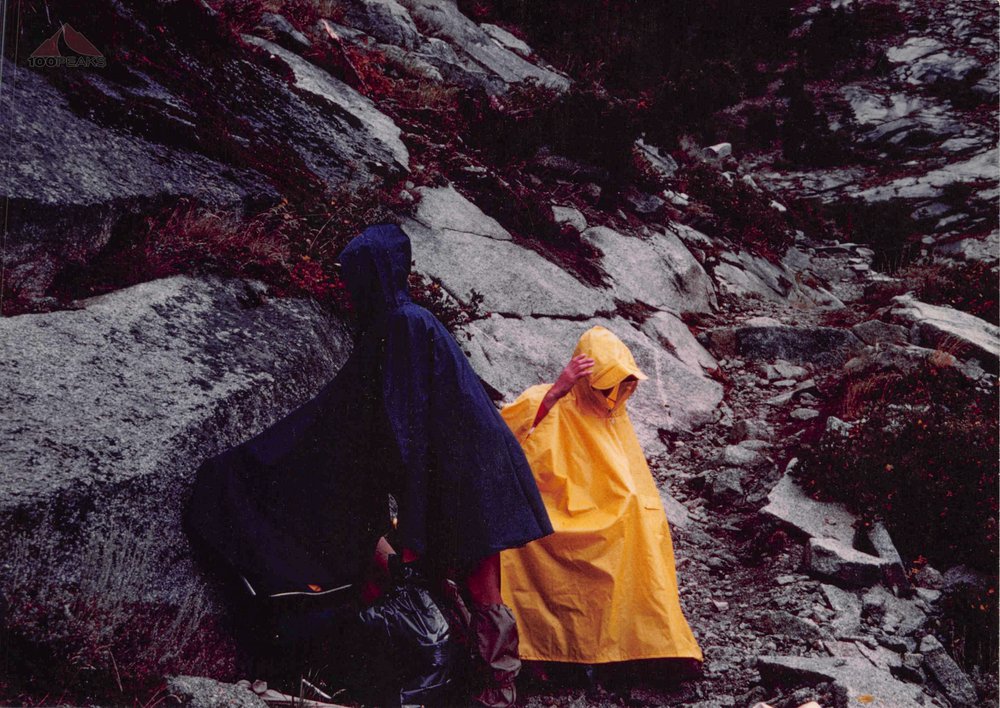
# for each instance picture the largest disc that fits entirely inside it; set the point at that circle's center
(297, 508)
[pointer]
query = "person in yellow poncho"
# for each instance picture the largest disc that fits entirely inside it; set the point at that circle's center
(603, 587)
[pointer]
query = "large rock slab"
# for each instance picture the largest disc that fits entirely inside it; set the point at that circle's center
(509, 41)
(926, 60)
(57, 157)
(671, 332)
(201, 692)
(770, 340)
(843, 564)
(744, 275)
(946, 671)
(865, 685)
(385, 20)
(985, 249)
(658, 270)
(467, 251)
(513, 354)
(283, 32)
(965, 335)
(733, 280)
(70, 180)
(788, 504)
(108, 411)
(309, 77)
(777, 279)
(442, 19)
(895, 117)
(931, 185)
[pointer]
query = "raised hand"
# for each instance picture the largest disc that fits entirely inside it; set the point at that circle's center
(578, 367)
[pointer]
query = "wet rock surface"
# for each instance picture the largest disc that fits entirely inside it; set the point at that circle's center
(932, 326)
(468, 252)
(656, 269)
(922, 120)
(769, 340)
(442, 19)
(169, 373)
(199, 692)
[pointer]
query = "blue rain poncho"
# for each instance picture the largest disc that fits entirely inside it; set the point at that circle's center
(301, 505)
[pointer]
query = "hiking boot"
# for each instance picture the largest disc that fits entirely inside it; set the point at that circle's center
(494, 633)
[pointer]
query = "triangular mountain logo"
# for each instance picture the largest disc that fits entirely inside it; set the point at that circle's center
(85, 54)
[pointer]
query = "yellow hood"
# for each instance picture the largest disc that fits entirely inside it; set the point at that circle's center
(613, 363)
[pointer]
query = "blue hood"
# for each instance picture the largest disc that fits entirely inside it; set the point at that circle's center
(375, 266)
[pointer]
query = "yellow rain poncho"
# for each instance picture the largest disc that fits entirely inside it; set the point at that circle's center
(603, 587)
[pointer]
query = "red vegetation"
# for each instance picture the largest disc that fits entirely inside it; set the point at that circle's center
(736, 211)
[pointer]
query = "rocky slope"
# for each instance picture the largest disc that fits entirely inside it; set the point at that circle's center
(917, 127)
(747, 319)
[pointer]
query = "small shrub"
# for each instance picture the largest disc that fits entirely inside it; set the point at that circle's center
(453, 314)
(760, 127)
(702, 90)
(244, 15)
(293, 249)
(888, 227)
(241, 15)
(191, 234)
(16, 300)
(586, 124)
(361, 67)
(737, 211)
(968, 612)
(806, 138)
(860, 394)
(969, 287)
(635, 311)
(844, 317)
(677, 54)
(923, 450)
(811, 217)
(427, 97)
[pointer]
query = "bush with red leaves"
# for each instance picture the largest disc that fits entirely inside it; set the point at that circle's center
(737, 211)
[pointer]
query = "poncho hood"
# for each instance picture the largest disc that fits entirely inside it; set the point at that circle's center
(613, 363)
(375, 266)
